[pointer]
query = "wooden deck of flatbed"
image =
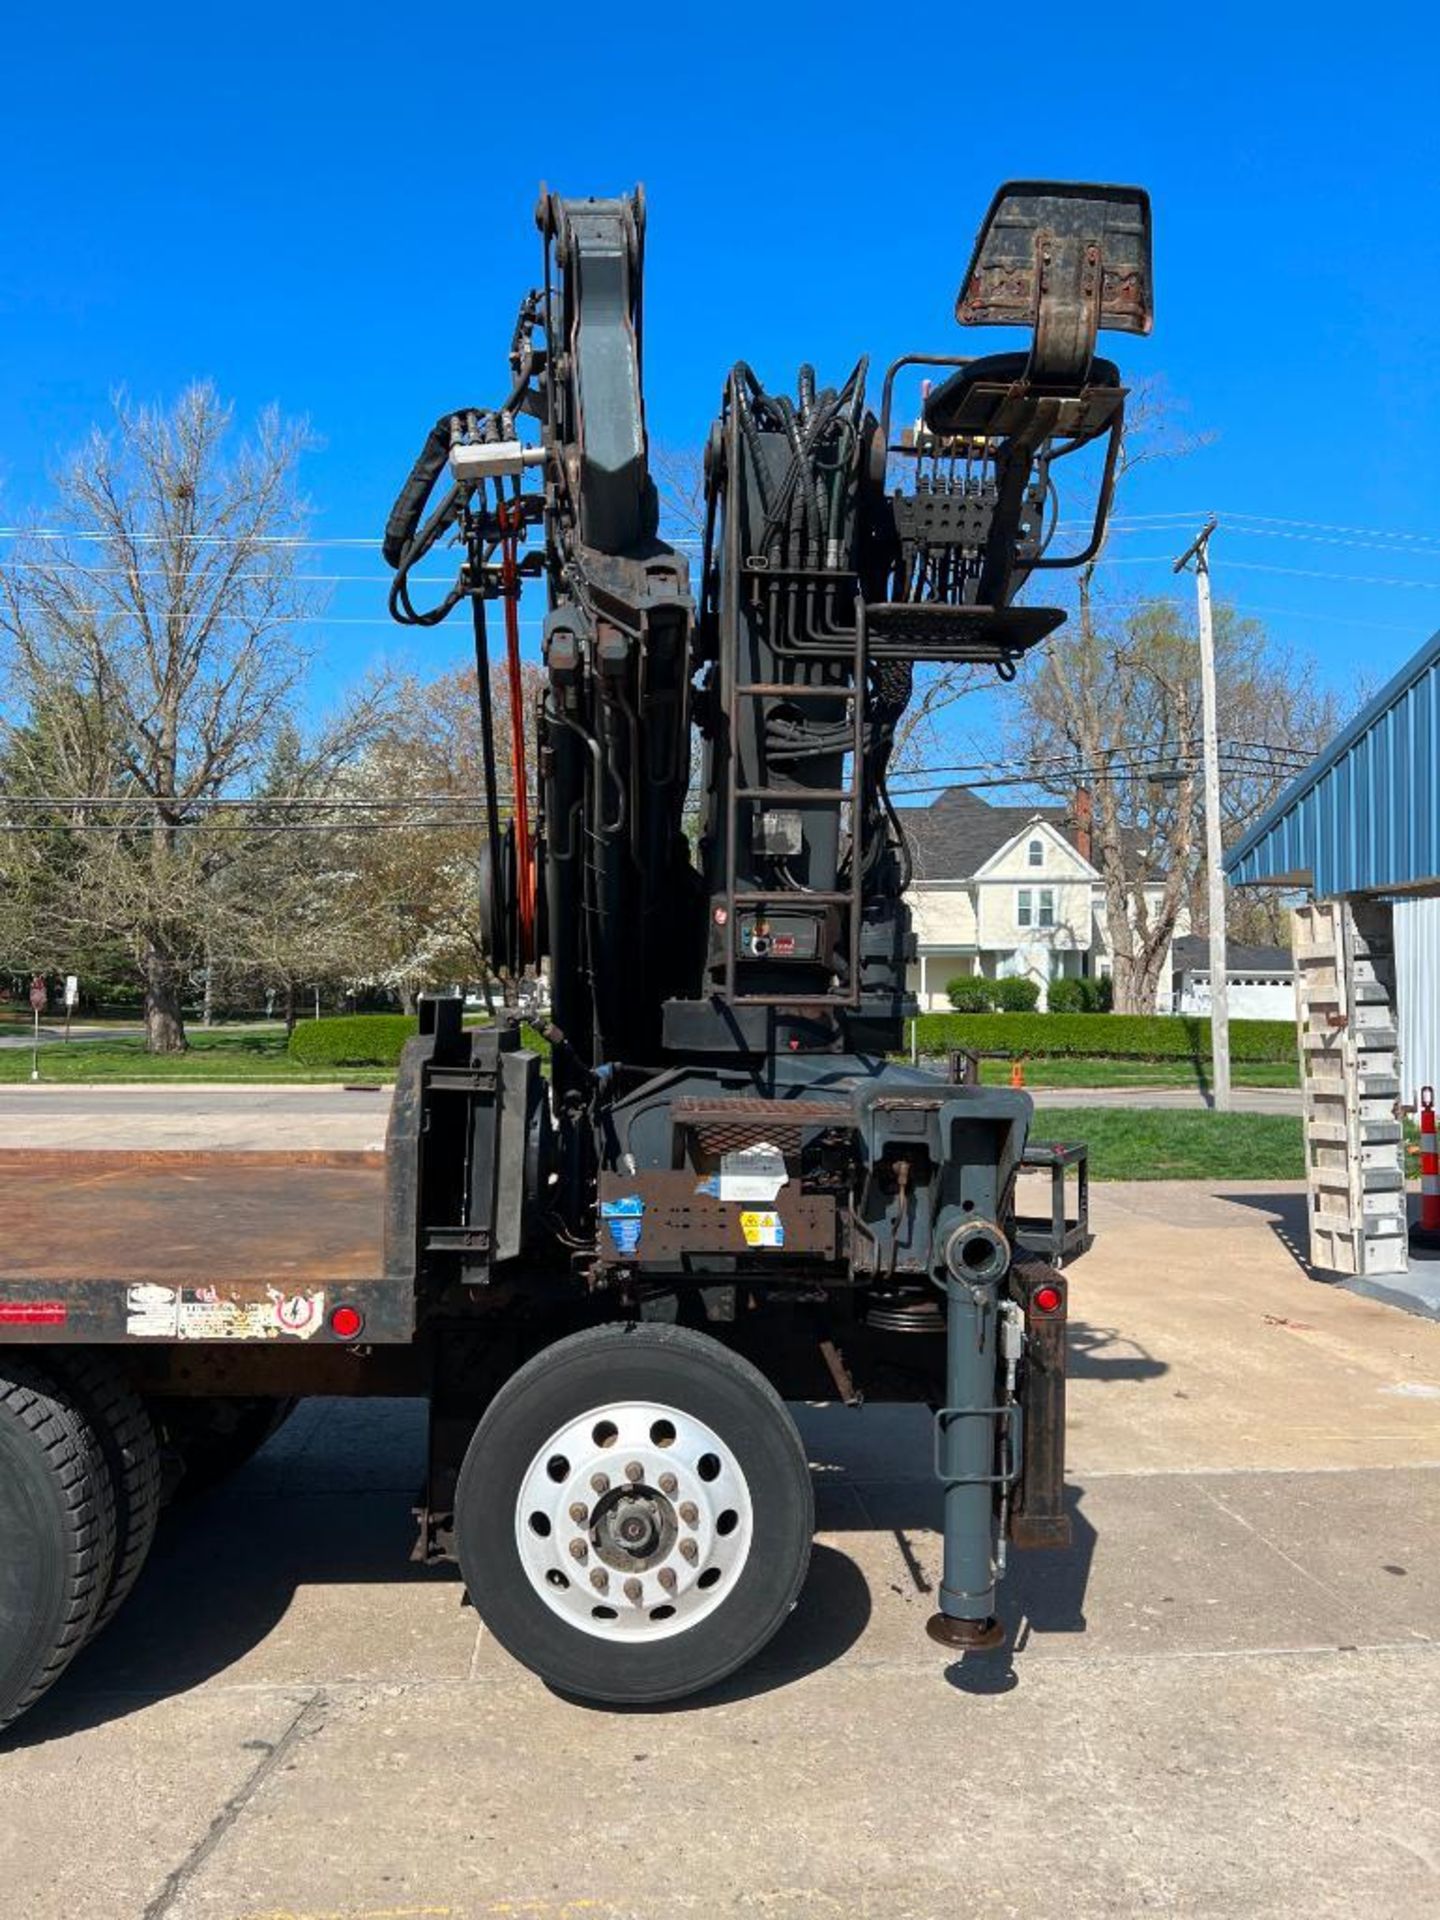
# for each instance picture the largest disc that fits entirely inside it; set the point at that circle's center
(92, 1243)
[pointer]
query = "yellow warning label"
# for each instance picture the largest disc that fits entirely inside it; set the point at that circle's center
(762, 1229)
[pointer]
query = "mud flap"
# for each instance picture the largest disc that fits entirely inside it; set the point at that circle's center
(1037, 1514)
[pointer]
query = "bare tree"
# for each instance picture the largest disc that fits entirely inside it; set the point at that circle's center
(1117, 712)
(169, 608)
(405, 894)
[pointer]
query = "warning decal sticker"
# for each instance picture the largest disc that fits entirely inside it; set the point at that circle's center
(200, 1313)
(762, 1229)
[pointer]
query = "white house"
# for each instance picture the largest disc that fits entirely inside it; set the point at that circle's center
(1005, 890)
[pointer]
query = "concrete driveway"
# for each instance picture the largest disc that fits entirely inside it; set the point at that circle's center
(1222, 1701)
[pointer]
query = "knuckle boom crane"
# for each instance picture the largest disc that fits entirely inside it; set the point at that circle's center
(725, 1145)
(726, 1190)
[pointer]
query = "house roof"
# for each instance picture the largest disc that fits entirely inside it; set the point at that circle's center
(1364, 817)
(1192, 955)
(958, 832)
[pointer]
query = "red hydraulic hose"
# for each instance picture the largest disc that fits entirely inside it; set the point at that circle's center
(510, 523)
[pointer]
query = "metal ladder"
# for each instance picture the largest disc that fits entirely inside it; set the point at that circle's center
(850, 897)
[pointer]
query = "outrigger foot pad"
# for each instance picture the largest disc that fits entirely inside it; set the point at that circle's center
(965, 1636)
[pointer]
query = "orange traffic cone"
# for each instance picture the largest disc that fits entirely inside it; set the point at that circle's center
(1017, 1073)
(1427, 1231)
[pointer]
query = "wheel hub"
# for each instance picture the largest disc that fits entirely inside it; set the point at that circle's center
(634, 1529)
(633, 1521)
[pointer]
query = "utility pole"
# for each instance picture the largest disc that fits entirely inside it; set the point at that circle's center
(1198, 552)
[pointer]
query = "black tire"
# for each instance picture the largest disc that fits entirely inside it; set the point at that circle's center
(122, 1425)
(607, 1366)
(206, 1439)
(57, 1532)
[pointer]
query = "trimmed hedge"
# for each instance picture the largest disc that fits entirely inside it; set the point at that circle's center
(970, 993)
(1074, 995)
(974, 993)
(370, 1040)
(1100, 1036)
(1018, 994)
(352, 1040)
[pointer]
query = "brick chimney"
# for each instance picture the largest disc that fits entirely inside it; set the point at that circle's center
(1083, 822)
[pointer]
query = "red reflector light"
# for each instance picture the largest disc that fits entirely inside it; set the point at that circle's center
(346, 1322)
(33, 1313)
(1046, 1299)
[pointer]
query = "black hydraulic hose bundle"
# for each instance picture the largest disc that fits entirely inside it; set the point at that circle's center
(810, 524)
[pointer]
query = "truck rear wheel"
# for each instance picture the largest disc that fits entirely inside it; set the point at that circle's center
(122, 1426)
(634, 1515)
(57, 1532)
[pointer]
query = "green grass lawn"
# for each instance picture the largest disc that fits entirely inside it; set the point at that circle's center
(1139, 1073)
(1125, 1144)
(259, 1055)
(1163, 1144)
(215, 1055)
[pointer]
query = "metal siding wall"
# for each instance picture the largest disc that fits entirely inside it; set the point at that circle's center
(1370, 821)
(1417, 969)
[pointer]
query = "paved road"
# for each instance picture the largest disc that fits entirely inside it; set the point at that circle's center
(1220, 1703)
(227, 1118)
(235, 1118)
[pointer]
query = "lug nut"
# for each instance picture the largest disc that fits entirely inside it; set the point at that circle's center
(579, 1550)
(600, 1482)
(690, 1513)
(579, 1512)
(689, 1549)
(634, 1473)
(666, 1577)
(668, 1484)
(634, 1592)
(600, 1579)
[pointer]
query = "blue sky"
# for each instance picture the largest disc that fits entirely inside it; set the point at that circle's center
(331, 208)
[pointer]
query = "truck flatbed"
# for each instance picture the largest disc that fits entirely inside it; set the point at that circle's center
(165, 1246)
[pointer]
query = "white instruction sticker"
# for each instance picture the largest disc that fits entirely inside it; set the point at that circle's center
(152, 1311)
(203, 1313)
(754, 1173)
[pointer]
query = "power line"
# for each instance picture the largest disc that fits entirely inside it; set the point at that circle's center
(219, 804)
(1255, 524)
(476, 825)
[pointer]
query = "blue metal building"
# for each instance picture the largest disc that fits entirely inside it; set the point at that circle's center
(1365, 816)
(1360, 829)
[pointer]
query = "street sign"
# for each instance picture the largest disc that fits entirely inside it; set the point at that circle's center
(38, 1000)
(72, 989)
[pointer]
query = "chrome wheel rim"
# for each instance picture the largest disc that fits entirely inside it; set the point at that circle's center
(634, 1521)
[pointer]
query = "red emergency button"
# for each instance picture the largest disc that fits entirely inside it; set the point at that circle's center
(347, 1323)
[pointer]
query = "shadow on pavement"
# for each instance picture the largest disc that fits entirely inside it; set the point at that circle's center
(225, 1570)
(831, 1614)
(1289, 1221)
(222, 1574)
(1104, 1353)
(1041, 1593)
